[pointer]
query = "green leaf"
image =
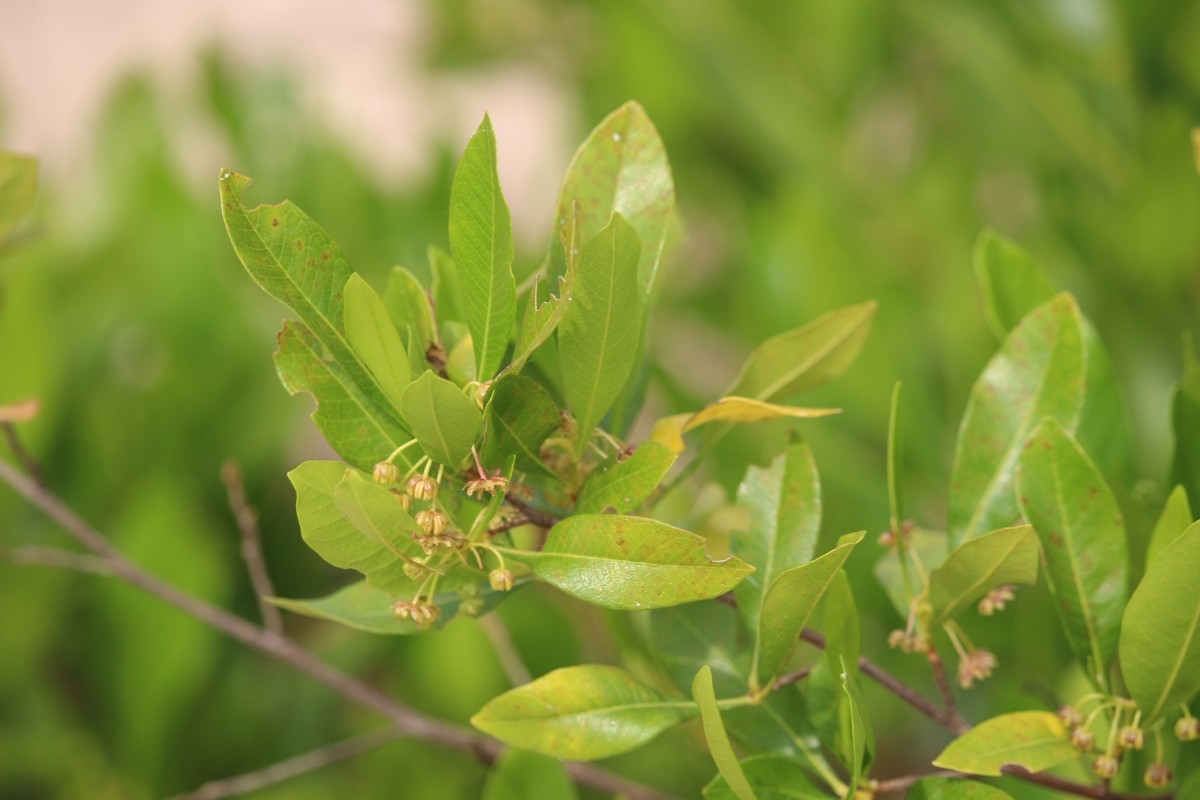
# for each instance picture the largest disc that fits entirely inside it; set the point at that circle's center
(352, 422)
(1175, 519)
(598, 336)
(771, 777)
(1082, 533)
(1037, 373)
(408, 305)
(630, 562)
(1009, 555)
(1035, 740)
(1160, 636)
(581, 713)
(374, 338)
(924, 547)
(445, 421)
(446, 288)
(806, 357)
(374, 512)
(366, 608)
(18, 188)
(1012, 282)
(1185, 424)
(294, 260)
(789, 601)
(954, 789)
(326, 530)
(854, 728)
(843, 637)
(717, 738)
(622, 168)
(521, 775)
(481, 240)
(520, 414)
(539, 322)
(784, 504)
(623, 482)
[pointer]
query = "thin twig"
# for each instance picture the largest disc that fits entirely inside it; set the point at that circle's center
(956, 723)
(506, 650)
(23, 456)
(290, 768)
(247, 522)
(792, 677)
(905, 781)
(542, 519)
(406, 720)
(35, 556)
(515, 522)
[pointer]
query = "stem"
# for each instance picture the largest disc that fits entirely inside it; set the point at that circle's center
(506, 649)
(247, 522)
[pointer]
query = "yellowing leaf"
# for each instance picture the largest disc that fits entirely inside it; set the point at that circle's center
(1035, 740)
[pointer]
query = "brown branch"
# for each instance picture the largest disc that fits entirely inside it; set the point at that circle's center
(247, 522)
(542, 519)
(792, 677)
(290, 768)
(506, 649)
(905, 781)
(23, 456)
(956, 723)
(406, 720)
(34, 556)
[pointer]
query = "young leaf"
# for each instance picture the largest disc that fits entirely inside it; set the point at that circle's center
(445, 421)
(771, 777)
(581, 713)
(374, 512)
(295, 261)
(482, 243)
(354, 424)
(623, 482)
(670, 430)
(1037, 373)
(806, 357)
(521, 775)
(854, 728)
(445, 288)
(1009, 555)
(718, 740)
(622, 168)
(598, 335)
(520, 414)
(789, 601)
(326, 530)
(408, 305)
(1035, 740)
(1012, 283)
(1175, 519)
(784, 503)
(954, 789)
(374, 338)
(630, 562)
(1082, 533)
(18, 187)
(1160, 635)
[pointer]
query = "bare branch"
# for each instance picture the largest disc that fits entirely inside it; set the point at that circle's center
(792, 677)
(23, 456)
(956, 723)
(34, 556)
(247, 522)
(905, 781)
(536, 516)
(506, 649)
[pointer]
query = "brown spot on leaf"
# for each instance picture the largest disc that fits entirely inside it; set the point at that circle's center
(324, 256)
(299, 245)
(274, 222)
(1055, 539)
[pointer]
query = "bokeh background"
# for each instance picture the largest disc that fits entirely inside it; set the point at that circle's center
(824, 154)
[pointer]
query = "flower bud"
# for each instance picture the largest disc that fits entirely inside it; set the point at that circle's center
(1106, 767)
(433, 521)
(1082, 739)
(386, 472)
(887, 539)
(1157, 776)
(501, 580)
(1071, 716)
(402, 497)
(1188, 729)
(414, 572)
(422, 487)
(1131, 738)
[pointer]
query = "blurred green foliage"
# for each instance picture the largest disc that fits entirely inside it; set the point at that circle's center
(824, 153)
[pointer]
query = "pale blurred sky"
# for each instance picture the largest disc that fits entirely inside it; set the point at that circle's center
(357, 66)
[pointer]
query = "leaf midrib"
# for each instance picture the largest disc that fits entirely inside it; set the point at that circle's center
(612, 283)
(1185, 645)
(804, 366)
(951, 607)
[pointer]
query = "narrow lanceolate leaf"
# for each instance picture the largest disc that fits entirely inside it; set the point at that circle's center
(366, 608)
(1035, 740)
(18, 187)
(295, 261)
(445, 421)
(1082, 533)
(581, 713)
(374, 338)
(374, 512)
(482, 244)
(630, 562)
(623, 482)
(771, 777)
(334, 538)
(1037, 373)
(954, 789)
(789, 602)
(1009, 555)
(895, 461)
(407, 304)
(520, 415)
(806, 357)
(718, 740)
(1160, 637)
(734, 410)
(1175, 519)
(784, 503)
(855, 730)
(622, 168)
(598, 335)
(356, 426)
(520, 775)
(1012, 282)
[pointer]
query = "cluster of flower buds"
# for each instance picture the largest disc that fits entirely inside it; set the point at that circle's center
(906, 642)
(440, 541)
(995, 600)
(975, 666)
(425, 615)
